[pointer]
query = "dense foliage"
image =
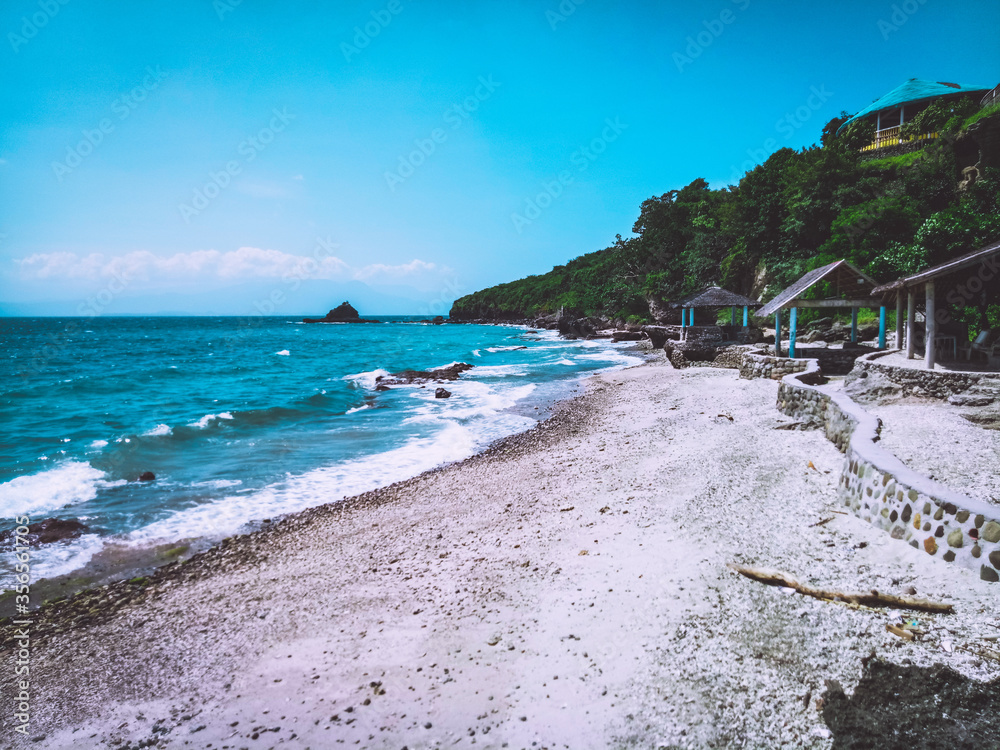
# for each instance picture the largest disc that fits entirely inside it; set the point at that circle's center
(890, 215)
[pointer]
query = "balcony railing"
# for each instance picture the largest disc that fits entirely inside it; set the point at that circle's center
(892, 137)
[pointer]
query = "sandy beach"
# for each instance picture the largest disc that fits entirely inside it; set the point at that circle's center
(568, 588)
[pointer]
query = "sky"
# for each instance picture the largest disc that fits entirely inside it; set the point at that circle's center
(249, 157)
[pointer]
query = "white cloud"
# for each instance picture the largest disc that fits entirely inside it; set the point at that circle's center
(298, 177)
(244, 264)
(201, 265)
(380, 270)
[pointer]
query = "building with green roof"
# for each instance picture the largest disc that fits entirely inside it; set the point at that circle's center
(890, 112)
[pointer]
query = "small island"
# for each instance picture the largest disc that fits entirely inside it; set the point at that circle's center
(342, 313)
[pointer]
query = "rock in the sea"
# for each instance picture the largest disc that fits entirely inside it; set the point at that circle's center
(342, 313)
(44, 532)
(442, 393)
(419, 377)
(147, 476)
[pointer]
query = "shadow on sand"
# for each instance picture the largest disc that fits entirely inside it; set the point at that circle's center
(913, 707)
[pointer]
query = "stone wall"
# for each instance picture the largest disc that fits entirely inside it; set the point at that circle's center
(938, 384)
(834, 361)
(754, 364)
(880, 489)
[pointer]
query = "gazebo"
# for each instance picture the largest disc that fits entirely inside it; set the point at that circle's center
(852, 287)
(715, 297)
(974, 272)
(890, 112)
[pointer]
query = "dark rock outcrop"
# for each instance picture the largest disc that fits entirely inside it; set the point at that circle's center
(419, 377)
(342, 313)
(627, 336)
(43, 532)
(147, 476)
(442, 393)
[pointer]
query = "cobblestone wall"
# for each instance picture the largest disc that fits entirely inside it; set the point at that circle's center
(880, 489)
(756, 365)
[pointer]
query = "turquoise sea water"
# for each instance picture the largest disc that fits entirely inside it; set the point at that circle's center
(244, 420)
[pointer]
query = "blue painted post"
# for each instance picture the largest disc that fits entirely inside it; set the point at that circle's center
(791, 332)
(777, 333)
(732, 321)
(746, 316)
(854, 325)
(691, 321)
(881, 327)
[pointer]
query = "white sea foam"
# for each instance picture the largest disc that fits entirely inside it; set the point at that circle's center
(64, 484)
(565, 361)
(219, 484)
(60, 558)
(358, 408)
(327, 484)
(366, 379)
(475, 353)
(209, 418)
(283, 353)
(160, 429)
(98, 444)
(496, 371)
(495, 349)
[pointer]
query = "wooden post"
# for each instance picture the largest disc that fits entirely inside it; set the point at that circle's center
(854, 325)
(732, 322)
(930, 327)
(899, 319)
(881, 327)
(911, 317)
(792, 329)
(746, 316)
(777, 333)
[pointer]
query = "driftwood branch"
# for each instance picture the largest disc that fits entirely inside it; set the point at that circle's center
(868, 599)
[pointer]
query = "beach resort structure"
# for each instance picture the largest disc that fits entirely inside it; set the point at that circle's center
(890, 112)
(850, 288)
(714, 298)
(963, 278)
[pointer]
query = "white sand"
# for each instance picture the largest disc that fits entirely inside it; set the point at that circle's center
(934, 439)
(568, 590)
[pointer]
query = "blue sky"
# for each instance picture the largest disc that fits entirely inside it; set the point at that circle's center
(233, 157)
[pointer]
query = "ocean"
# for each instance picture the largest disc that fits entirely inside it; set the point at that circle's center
(242, 420)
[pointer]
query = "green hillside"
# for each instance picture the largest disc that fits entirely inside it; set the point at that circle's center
(891, 215)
